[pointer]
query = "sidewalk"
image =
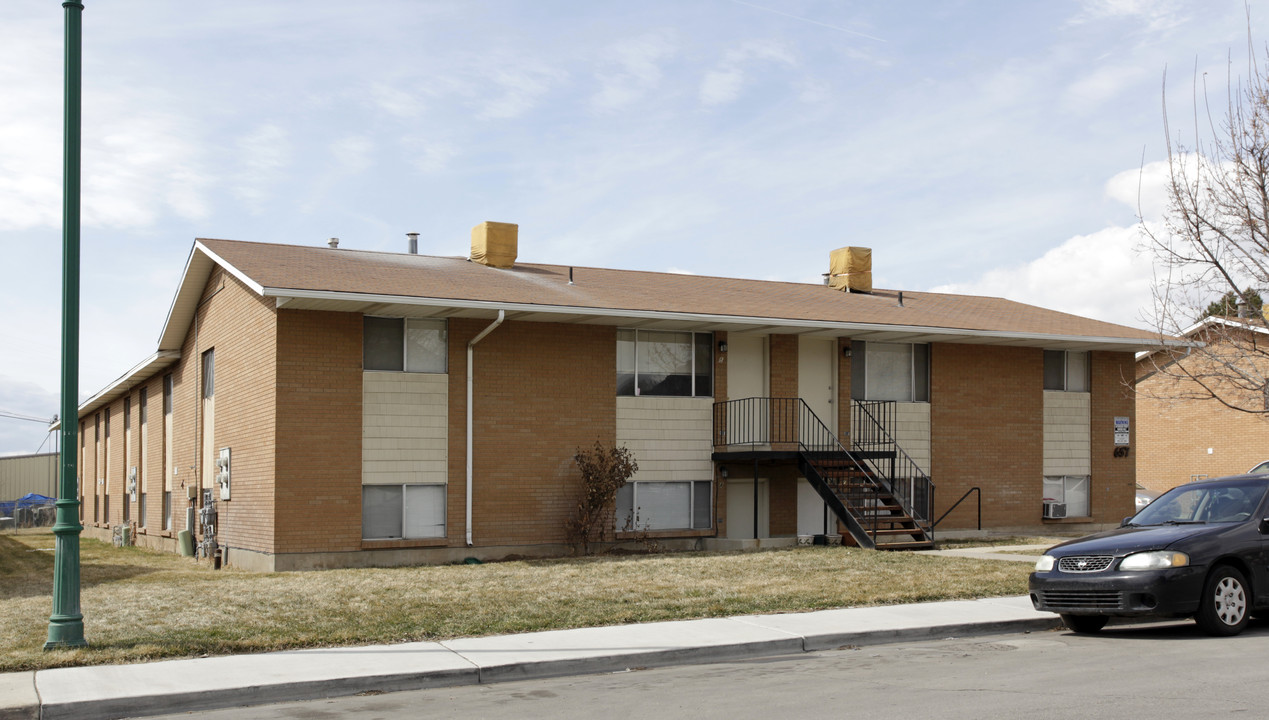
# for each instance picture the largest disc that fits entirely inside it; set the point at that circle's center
(112, 691)
(173, 686)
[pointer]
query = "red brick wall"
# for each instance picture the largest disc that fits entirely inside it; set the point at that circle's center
(1170, 438)
(987, 430)
(1113, 479)
(542, 390)
(319, 418)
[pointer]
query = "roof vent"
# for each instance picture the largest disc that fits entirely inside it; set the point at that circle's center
(414, 243)
(334, 243)
(494, 244)
(850, 269)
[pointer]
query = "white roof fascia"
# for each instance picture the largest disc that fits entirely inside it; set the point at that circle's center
(695, 317)
(159, 359)
(255, 286)
(1204, 323)
(184, 288)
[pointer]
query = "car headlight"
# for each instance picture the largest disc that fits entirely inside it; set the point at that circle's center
(1045, 563)
(1156, 560)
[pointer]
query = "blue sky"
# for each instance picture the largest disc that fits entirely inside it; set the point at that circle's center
(980, 147)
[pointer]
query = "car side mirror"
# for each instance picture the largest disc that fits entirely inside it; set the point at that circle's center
(1264, 526)
(1125, 521)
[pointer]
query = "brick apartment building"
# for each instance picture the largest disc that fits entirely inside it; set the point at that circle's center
(1182, 440)
(393, 408)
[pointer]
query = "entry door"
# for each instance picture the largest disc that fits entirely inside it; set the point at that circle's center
(817, 377)
(747, 377)
(740, 509)
(814, 517)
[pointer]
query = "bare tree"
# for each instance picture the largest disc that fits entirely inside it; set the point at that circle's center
(1211, 252)
(605, 469)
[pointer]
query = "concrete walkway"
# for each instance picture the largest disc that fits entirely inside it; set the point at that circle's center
(1016, 553)
(113, 691)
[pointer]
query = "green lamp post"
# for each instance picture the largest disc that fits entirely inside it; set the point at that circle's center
(66, 624)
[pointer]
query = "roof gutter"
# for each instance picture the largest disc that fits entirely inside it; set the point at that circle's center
(1006, 336)
(502, 314)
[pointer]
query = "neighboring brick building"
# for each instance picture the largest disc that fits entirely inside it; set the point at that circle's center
(337, 381)
(1184, 437)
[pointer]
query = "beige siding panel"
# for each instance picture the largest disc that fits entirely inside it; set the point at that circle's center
(28, 474)
(912, 432)
(670, 437)
(405, 428)
(1066, 433)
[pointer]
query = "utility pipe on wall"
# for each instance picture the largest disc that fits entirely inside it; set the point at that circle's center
(502, 314)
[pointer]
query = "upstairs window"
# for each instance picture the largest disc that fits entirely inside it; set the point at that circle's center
(661, 363)
(1066, 370)
(405, 345)
(898, 372)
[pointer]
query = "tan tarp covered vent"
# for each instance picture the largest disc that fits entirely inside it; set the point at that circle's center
(850, 268)
(494, 244)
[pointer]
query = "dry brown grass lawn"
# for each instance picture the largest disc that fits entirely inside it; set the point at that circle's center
(141, 605)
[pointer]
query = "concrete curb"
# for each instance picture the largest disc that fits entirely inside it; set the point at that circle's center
(175, 686)
(18, 699)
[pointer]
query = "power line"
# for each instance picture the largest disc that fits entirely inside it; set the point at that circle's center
(30, 418)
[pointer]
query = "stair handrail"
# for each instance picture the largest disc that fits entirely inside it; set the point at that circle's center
(877, 429)
(793, 422)
(974, 489)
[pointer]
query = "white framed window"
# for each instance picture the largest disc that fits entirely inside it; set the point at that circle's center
(405, 344)
(402, 511)
(898, 372)
(664, 363)
(1066, 370)
(1073, 490)
(681, 505)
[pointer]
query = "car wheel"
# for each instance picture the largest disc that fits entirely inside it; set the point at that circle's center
(1224, 607)
(1086, 624)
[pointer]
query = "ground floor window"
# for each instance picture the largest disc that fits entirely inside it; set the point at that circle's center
(167, 510)
(402, 511)
(664, 506)
(141, 510)
(1072, 490)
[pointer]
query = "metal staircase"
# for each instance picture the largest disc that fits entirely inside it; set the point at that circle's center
(874, 489)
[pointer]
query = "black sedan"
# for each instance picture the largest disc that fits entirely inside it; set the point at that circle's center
(1200, 550)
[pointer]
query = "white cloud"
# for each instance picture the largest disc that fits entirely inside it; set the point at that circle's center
(1099, 276)
(396, 102)
(632, 69)
(520, 85)
(1144, 190)
(1092, 91)
(430, 156)
(722, 85)
(353, 153)
(264, 152)
(1158, 15)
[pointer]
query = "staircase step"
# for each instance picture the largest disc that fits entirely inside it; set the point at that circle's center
(914, 545)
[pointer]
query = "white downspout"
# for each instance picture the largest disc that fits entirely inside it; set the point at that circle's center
(470, 353)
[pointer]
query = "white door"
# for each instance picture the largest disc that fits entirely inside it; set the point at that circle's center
(740, 509)
(817, 377)
(814, 517)
(747, 377)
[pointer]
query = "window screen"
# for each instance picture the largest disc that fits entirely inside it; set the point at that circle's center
(381, 511)
(664, 363)
(889, 372)
(664, 506)
(1070, 489)
(426, 346)
(383, 344)
(424, 511)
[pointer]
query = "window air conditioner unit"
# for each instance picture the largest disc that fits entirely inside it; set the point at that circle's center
(1054, 510)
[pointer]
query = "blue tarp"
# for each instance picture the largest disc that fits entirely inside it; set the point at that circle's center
(30, 500)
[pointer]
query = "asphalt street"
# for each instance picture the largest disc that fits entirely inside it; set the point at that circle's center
(1158, 671)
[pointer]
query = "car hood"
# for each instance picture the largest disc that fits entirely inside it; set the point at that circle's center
(1124, 540)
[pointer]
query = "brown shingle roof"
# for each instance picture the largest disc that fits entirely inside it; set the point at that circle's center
(280, 268)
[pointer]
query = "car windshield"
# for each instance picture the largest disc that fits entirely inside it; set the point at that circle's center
(1204, 503)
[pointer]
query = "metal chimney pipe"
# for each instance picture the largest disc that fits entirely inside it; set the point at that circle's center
(414, 243)
(333, 242)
